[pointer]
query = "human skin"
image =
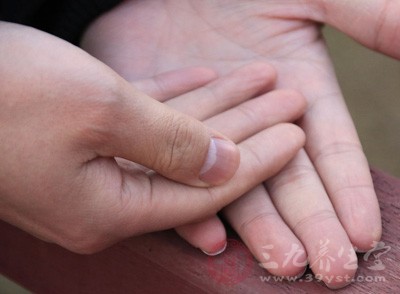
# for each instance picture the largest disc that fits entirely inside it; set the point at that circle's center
(325, 196)
(69, 124)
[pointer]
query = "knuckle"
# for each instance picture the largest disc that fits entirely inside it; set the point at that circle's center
(298, 175)
(180, 144)
(248, 113)
(82, 241)
(316, 217)
(335, 149)
(261, 74)
(85, 248)
(260, 217)
(295, 95)
(351, 188)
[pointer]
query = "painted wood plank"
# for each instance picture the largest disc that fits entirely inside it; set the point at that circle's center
(163, 263)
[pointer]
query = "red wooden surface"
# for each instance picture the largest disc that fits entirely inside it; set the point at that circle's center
(163, 263)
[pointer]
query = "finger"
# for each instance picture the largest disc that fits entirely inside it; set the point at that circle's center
(246, 119)
(272, 243)
(376, 25)
(257, 74)
(335, 150)
(259, 113)
(226, 92)
(165, 204)
(209, 235)
(176, 146)
(275, 107)
(214, 98)
(337, 154)
(333, 147)
(300, 198)
(166, 86)
(177, 82)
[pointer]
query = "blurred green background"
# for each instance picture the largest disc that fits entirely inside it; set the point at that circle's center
(371, 87)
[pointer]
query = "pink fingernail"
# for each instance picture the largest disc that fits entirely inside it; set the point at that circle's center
(219, 251)
(221, 162)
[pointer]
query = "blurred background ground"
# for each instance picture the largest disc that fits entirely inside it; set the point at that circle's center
(371, 87)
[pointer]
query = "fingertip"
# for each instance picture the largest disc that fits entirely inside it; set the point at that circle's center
(365, 239)
(362, 220)
(260, 74)
(338, 286)
(291, 277)
(294, 101)
(336, 267)
(267, 75)
(336, 280)
(205, 73)
(291, 262)
(279, 252)
(170, 84)
(193, 77)
(295, 134)
(265, 71)
(208, 235)
(215, 250)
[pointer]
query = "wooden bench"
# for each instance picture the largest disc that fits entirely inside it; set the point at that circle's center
(163, 263)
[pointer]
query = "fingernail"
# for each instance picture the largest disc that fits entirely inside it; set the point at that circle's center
(219, 251)
(221, 162)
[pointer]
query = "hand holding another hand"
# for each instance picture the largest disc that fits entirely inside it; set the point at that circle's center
(66, 117)
(325, 195)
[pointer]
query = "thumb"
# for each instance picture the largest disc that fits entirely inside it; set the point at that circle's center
(174, 145)
(373, 23)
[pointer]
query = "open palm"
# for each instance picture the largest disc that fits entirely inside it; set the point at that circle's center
(324, 198)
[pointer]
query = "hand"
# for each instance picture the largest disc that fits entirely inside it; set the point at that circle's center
(65, 116)
(142, 38)
(209, 104)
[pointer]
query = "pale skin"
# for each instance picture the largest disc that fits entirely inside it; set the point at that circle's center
(326, 192)
(67, 120)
